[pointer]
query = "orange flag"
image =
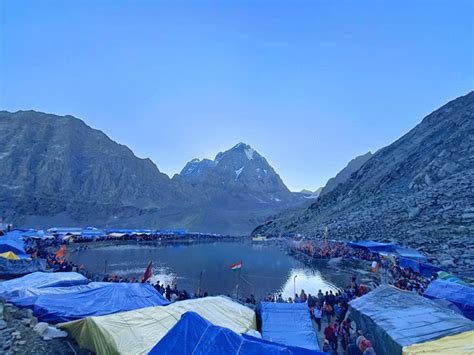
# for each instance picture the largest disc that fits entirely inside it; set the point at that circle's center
(60, 252)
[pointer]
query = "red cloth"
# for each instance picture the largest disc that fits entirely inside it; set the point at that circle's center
(147, 273)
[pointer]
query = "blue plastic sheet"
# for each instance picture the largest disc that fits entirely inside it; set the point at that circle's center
(9, 243)
(408, 253)
(373, 246)
(42, 279)
(288, 324)
(113, 298)
(462, 296)
(15, 268)
(194, 334)
(395, 318)
(27, 297)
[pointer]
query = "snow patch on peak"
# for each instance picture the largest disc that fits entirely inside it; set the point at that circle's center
(238, 172)
(249, 153)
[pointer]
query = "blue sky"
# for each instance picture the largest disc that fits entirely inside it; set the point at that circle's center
(309, 84)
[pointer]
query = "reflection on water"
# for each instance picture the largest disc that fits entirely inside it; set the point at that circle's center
(266, 269)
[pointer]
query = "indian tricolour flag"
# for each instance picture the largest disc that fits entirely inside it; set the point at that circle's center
(236, 266)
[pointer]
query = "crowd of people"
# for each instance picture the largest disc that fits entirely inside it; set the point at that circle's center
(386, 266)
(331, 308)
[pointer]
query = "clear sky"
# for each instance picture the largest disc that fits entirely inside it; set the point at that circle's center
(309, 84)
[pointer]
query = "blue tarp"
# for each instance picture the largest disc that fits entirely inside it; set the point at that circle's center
(392, 319)
(42, 279)
(15, 268)
(113, 298)
(408, 253)
(373, 246)
(9, 243)
(462, 296)
(194, 334)
(288, 324)
(28, 296)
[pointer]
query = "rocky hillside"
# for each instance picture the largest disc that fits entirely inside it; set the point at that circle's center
(58, 171)
(345, 173)
(418, 191)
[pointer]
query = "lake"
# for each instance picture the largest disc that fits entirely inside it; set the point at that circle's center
(265, 268)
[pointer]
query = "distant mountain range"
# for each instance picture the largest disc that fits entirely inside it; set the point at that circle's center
(418, 191)
(56, 170)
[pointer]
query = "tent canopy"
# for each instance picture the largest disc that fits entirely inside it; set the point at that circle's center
(454, 344)
(462, 296)
(137, 332)
(9, 255)
(372, 246)
(27, 297)
(109, 299)
(42, 279)
(10, 244)
(288, 324)
(395, 318)
(409, 253)
(194, 334)
(15, 268)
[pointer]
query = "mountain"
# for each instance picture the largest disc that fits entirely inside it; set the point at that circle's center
(418, 192)
(239, 175)
(56, 170)
(311, 194)
(345, 173)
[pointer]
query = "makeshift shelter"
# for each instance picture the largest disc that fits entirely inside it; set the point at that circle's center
(27, 297)
(194, 334)
(42, 279)
(109, 299)
(15, 268)
(13, 245)
(288, 324)
(395, 318)
(411, 254)
(454, 344)
(372, 246)
(137, 332)
(9, 255)
(462, 296)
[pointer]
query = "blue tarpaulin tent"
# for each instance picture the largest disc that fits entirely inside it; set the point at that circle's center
(462, 296)
(408, 253)
(15, 268)
(113, 298)
(193, 334)
(395, 318)
(42, 279)
(373, 246)
(10, 243)
(27, 297)
(288, 324)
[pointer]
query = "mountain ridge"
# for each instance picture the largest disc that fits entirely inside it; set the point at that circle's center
(417, 191)
(57, 169)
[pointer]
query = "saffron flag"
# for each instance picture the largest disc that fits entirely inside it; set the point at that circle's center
(147, 273)
(60, 252)
(236, 266)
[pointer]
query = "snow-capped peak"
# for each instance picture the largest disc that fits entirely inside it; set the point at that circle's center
(249, 153)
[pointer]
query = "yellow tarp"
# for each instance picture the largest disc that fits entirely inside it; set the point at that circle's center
(136, 332)
(462, 343)
(9, 255)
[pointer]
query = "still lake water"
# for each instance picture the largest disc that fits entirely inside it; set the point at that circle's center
(266, 268)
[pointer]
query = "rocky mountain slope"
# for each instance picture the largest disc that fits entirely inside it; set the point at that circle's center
(57, 170)
(345, 173)
(418, 191)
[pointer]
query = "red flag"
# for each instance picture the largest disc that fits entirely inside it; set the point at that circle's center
(147, 273)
